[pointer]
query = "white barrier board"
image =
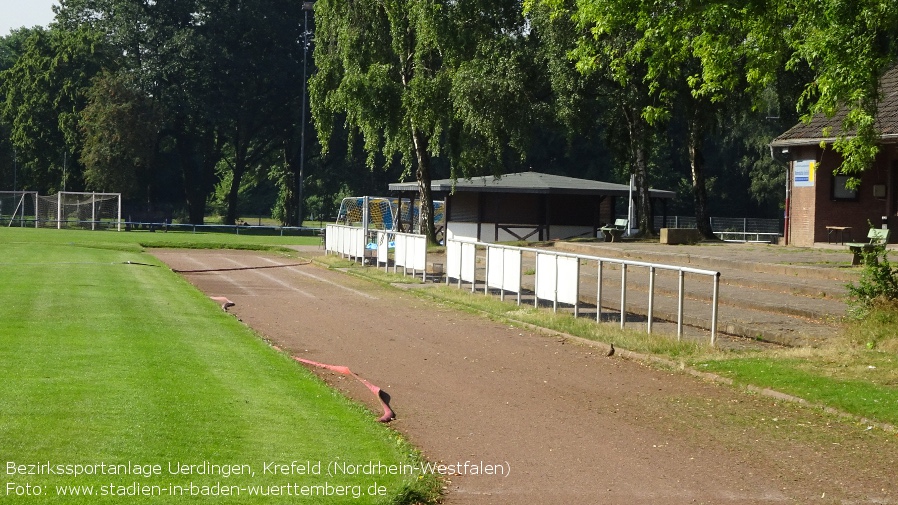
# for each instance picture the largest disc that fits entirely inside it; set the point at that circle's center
(453, 259)
(410, 251)
(468, 259)
(568, 280)
(495, 259)
(557, 278)
(545, 276)
(383, 247)
(512, 279)
(504, 268)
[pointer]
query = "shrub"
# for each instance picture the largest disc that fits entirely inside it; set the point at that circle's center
(878, 283)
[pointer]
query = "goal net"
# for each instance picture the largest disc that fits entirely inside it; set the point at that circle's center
(89, 211)
(18, 208)
(368, 212)
(384, 213)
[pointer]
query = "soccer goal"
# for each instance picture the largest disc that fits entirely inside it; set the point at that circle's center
(385, 213)
(18, 208)
(68, 209)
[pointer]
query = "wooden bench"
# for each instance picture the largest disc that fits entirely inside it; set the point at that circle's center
(877, 238)
(613, 232)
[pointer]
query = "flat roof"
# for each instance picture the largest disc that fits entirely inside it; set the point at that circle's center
(529, 182)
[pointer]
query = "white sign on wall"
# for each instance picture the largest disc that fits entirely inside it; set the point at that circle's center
(803, 173)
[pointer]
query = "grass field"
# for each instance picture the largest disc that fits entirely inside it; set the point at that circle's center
(128, 366)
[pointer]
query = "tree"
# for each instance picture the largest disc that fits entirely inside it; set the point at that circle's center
(848, 46)
(601, 62)
(223, 73)
(417, 79)
(255, 60)
(694, 55)
(43, 93)
(120, 127)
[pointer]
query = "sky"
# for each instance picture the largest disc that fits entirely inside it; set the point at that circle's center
(19, 13)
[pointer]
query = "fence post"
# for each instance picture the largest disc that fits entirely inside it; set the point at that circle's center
(555, 288)
(577, 298)
(651, 298)
(486, 274)
(623, 295)
(680, 306)
(599, 295)
(714, 300)
(536, 280)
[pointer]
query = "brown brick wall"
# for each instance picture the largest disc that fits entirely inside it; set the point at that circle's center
(814, 208)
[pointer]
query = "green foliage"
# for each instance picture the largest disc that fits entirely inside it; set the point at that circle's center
(416, 80)
(121, 126)
(878, 282)
(43, 92)
(878, 328)
(848, 45)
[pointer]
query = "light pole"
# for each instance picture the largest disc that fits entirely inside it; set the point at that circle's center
(306, 8)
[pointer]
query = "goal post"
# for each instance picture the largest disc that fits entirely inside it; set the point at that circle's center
(18, 208)
(69, 209)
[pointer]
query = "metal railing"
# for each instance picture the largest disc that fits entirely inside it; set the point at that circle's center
(745, 224)
(348, 241)
(558, 277)
(730, 228)
(409, 251)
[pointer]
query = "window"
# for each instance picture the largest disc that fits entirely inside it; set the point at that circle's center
(841, 191)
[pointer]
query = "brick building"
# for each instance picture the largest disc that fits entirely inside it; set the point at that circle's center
(816, 199)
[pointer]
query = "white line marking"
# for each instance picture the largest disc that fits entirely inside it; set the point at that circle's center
(272, 278)
(223, 276)
(322, 279)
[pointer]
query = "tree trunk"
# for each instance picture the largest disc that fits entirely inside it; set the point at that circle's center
(422, 174)
(699, 192)
(639, 160)
(192, 171)
(288, 186)
(234, 190)
(240, 162)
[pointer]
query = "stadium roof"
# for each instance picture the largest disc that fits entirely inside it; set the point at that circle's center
(827, 129)
(529, 182)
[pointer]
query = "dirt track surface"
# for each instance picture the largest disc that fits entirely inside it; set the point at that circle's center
(572, 425)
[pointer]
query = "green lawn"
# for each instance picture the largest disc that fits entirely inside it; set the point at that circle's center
(110, 363)
(145, 238)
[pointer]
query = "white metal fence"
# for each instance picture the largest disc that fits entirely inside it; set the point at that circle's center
(730, 228)
(348, 241)
(409, 251)
(558, 277)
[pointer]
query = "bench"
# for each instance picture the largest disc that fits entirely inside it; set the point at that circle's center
(877, 238)
(613, 232)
